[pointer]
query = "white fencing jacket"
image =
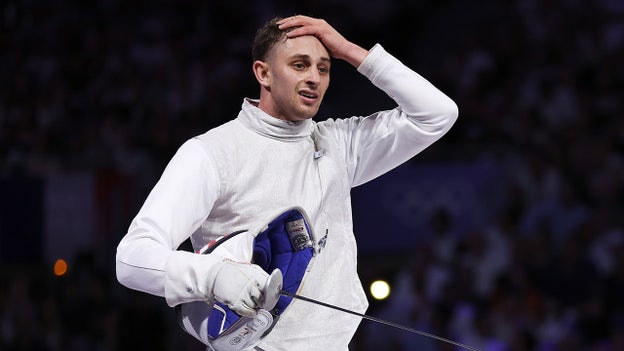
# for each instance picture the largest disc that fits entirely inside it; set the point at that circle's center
(247, 169)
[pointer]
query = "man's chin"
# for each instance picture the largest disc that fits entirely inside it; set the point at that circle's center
(307, 112)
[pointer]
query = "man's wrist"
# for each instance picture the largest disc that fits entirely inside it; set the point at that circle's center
(354, 54)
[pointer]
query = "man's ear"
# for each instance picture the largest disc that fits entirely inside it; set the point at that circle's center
(262, 72)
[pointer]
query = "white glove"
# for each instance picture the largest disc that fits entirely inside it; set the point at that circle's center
(238, 285)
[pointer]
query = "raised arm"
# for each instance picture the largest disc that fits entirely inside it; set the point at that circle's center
(375, 144)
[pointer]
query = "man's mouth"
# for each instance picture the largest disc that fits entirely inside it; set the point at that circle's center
(308, 95)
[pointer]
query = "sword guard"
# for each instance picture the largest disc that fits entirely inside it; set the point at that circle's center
(272, 289)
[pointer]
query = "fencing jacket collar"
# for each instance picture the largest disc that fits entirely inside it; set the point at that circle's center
(264, 124)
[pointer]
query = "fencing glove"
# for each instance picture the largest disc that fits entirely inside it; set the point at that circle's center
(238, 285)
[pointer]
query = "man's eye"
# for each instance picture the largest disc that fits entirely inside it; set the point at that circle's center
(323, 70)
(299, 66)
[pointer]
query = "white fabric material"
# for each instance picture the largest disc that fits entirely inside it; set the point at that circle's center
(238, 285)
(239, 247)
(243, 170)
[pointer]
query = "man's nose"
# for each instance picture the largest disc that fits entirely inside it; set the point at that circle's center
(313, 77)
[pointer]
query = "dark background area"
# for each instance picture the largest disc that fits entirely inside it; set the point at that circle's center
(505, 235)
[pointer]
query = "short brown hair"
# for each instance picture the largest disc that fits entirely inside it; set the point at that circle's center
(266, 38)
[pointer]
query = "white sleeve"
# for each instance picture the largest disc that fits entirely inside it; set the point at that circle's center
(178, 204)
(382, 141)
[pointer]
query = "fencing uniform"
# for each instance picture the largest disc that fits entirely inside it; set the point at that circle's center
(246, 169)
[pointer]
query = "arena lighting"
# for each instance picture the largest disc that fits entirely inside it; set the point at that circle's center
(380, 289)
(60, 267)
(273, 290)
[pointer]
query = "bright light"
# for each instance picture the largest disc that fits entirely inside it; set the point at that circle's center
(60, 267)
(380, 289)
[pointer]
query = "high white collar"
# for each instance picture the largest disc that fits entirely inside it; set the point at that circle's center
(264, 124)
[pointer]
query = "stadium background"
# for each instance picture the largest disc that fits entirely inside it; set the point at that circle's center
(505, 235)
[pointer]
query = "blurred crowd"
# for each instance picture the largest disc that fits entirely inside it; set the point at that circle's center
(115, 87)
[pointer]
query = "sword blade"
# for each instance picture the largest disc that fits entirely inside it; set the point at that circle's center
(378, 320)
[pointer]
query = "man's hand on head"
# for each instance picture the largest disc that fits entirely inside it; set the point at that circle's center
(337, 45)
